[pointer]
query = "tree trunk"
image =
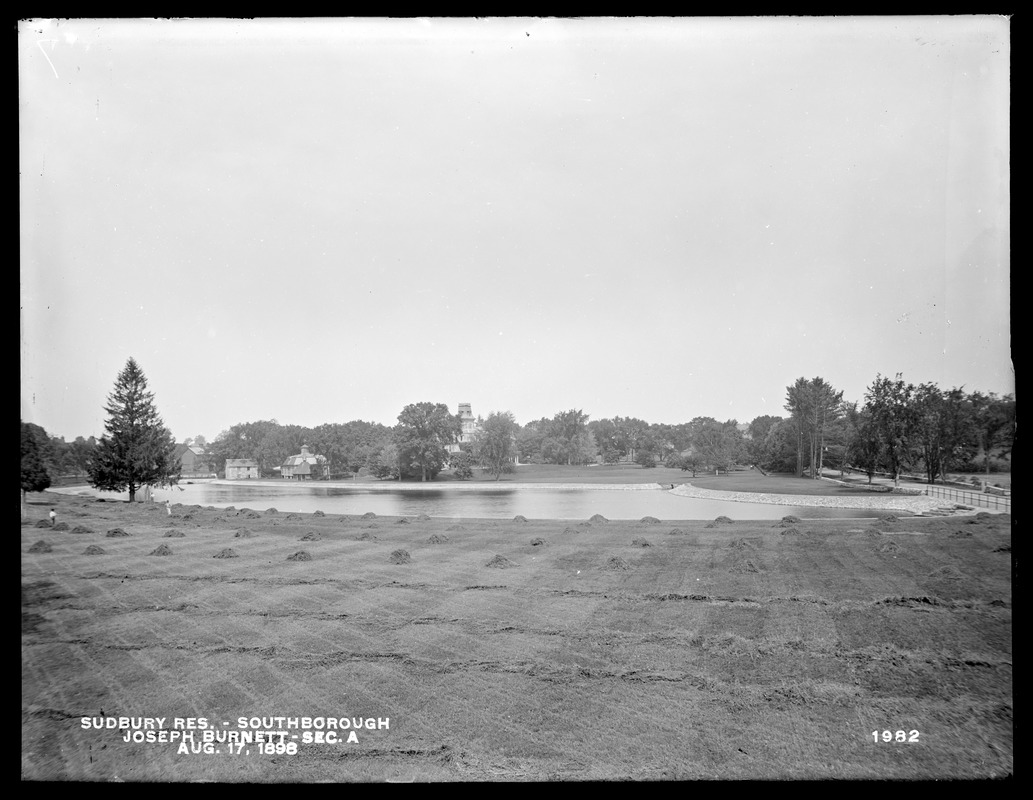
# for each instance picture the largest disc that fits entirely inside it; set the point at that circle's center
(132, 493)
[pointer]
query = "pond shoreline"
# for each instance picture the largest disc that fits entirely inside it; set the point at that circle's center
(912, 504)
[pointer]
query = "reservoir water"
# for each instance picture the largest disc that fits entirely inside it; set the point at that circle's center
(470, 502)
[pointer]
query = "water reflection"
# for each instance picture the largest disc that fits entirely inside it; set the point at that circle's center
(488, 503)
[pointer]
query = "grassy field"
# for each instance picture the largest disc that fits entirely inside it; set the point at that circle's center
(563, 473)
(510, 650)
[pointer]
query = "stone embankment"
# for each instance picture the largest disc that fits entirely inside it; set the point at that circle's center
(913, 504)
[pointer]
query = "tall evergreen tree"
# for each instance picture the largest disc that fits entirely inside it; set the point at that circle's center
(814, 405)
(138, 449)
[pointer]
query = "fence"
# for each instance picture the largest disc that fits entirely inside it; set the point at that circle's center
(996, 502)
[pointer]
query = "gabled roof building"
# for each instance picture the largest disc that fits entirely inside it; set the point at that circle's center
(305, 466)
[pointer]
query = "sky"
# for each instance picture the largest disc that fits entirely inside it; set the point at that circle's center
(320, 221)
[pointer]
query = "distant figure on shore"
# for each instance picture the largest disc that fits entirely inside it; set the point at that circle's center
(53, 518)
(168, 507)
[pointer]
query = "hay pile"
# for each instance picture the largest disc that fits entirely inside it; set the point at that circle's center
(116, 532)
(271, 511)
(743, 566)
(641, 543)
(789, 519)
(243, 533)
(676, 532)
(886, 547)
(568, 529)
(162, 550)
(318, 513)
(369, 515)
(538, 542)
(790, 532)
(499, 562)
(400, 557)
(301, 555)
(247, 513)
(61, 526)
(81, 529)
(723, 520)
(519, 518)
(650, 520)
(597, 518)
(455, 528)
(229, 552)
(173, 534)
(437, 538)
(367, 537)
(403, 521)
(43, 523)
(41, 547)
(947, 573)
(312, 536)
(740, 544)
(616, 563)
(93, 550)
(423, 518)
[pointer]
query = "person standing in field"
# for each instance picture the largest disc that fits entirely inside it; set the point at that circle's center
(168, 507)
(53, 518)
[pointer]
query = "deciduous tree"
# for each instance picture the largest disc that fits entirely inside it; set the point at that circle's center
(942, 427)
(890, 404)
(35, 477)
(993, 424)
(495, 443)
(423, 434)
(718, 443)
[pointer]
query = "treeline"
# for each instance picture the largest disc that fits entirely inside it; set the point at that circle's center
(56, 457)
(899, 427)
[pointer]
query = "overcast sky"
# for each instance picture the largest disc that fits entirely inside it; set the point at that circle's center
(325, 220)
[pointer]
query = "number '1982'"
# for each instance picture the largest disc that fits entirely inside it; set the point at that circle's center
(895, 736)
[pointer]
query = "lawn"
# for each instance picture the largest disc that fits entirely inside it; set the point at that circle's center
(511, 650)
(562, 473)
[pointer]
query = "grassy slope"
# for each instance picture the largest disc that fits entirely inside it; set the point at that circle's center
(739, 650)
